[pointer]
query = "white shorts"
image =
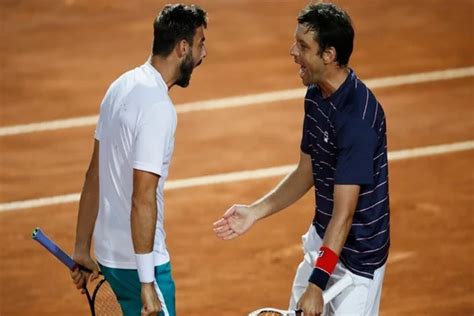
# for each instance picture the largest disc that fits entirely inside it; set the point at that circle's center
(362, 298)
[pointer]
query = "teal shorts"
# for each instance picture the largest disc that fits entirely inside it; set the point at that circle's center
(127, 288)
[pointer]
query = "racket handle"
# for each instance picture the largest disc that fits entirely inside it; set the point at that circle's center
(337, 288)
(54, 249)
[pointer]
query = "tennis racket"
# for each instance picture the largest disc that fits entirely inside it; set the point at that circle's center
(101, 298)
(328, 295)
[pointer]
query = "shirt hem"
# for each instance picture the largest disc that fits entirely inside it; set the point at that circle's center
(129, 264)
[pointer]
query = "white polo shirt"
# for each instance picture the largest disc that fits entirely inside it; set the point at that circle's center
(136, 130)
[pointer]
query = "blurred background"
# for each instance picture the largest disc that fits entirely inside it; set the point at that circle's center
(57, 59)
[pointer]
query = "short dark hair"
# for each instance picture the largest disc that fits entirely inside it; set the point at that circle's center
(332, 27)
(176, 22)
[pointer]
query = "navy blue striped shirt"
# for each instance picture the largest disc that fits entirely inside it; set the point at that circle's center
(345, 135)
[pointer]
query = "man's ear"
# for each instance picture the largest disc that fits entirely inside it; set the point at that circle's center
(329, 55)
(182, 48)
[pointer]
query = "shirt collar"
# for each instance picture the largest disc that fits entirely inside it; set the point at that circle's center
(351, 77)
(155, 73)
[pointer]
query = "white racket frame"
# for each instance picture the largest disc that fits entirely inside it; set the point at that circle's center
(328, 295)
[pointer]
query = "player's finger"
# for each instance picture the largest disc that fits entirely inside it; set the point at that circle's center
(149, 312)
(76, 276)
(75, 273)
(221, 228)
(144, 311)
(80, 283)
(94, 275)
(85, 277)
(220, 222)
(225, 234)
(231, 236)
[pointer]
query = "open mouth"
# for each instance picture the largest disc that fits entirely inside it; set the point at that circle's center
(302, 71)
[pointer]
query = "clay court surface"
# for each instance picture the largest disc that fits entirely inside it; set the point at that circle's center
(58, 58)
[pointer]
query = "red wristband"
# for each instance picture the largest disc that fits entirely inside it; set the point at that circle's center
(327, 260)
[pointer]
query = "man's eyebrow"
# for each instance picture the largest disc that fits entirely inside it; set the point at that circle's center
(299, 40)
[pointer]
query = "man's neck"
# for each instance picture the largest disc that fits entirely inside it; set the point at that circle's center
(166, 68)
(334, 78)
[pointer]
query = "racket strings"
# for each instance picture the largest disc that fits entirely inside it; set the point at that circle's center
(104, 300)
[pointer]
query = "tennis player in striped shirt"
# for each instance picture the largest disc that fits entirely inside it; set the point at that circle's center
(343, 157)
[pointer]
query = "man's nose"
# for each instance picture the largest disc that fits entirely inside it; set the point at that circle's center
(293, 50)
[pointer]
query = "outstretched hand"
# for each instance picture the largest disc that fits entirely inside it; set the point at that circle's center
(236, 221)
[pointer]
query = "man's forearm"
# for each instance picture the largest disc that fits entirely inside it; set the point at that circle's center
(143, 221)
(87, 215)
(288, 191)
(345, 202)
(144, 211)
(336, 234)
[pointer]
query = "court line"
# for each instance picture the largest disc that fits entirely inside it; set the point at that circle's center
(397, 256)
(246, 100)
(242, 175)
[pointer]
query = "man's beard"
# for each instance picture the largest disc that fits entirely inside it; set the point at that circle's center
(185, 69)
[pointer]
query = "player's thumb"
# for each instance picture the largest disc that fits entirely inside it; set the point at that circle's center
(148, 312)
(95, 273)
(230, 211)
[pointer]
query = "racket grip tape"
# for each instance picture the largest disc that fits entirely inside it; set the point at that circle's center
(54, 249)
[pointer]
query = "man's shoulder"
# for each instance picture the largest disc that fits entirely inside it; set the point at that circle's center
(122, 82)
(142, 88)
(361, 93)
(141, 92)
(362, 102)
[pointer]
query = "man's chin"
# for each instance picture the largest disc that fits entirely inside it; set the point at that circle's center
(306, 82)
(183, 82)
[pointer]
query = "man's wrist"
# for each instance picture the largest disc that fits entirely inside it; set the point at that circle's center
(260, 210)
(145, 267)
(83, 247)
(314, 287)
(149, 284)
(324, 266)
(319, 278)
(81, 252)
